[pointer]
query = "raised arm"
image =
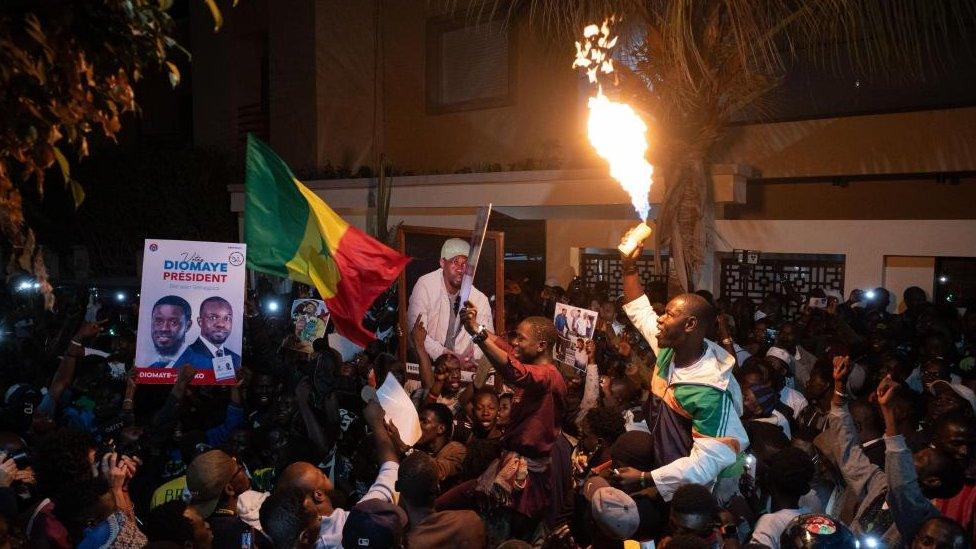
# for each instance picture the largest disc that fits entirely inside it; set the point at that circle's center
(376, 419)
(839, 441)
(65, 374)
(317, 434)
(482, 337)
(909, 506)
(631, 278)
(591, 383)
(725, 336)
(418, 334)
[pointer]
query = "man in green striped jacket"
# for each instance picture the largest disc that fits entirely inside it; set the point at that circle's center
(694, 405)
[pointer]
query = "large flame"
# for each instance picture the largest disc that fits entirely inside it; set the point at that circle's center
(619, 136)
(617, 133)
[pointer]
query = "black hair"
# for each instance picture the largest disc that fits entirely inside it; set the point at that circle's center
(167, 523)
(440, 361)
(695, 499)
(283, 516)
(867, 415)
(687, 541)
(214, 299)
(753, 365)
(700, 308)
(948, 471)
(707, 296)
(74, 502)
(417, 479)
(913, 290)
(176, 301)
(791, 472)
(444, 417)
(545, 331)
(484, 391)
(60, 458)
(765, 438)
(606, 423)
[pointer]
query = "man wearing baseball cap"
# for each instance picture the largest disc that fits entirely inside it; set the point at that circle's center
(435, 301)
(614, 513)
(215, 480)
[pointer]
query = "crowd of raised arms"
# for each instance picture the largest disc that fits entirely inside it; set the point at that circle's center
(700, 422)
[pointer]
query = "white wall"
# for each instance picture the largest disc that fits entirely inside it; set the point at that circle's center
(902, 272)
(863, 243)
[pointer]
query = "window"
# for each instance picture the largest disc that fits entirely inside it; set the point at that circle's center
(469, 67)
(955, 281)
(793, 275)
(601, 271)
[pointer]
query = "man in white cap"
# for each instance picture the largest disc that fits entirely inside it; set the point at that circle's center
(435, 301)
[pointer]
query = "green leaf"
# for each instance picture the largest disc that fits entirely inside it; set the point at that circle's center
(63, 164)
(78, 193)
(215, 12)
(174, 74)
(165, 5)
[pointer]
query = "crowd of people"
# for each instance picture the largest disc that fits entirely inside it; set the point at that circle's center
(699, 422)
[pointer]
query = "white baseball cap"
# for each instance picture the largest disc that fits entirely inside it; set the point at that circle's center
(454, 247)
(781, 354)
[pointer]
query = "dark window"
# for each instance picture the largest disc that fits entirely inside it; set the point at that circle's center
(955, 281)
(469, 66)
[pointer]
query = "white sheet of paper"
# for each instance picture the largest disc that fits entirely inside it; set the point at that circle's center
(399, 409)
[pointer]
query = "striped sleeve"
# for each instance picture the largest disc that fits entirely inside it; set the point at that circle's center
(718, 436)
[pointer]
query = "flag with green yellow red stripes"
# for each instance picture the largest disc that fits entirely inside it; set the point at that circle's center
(292, 233)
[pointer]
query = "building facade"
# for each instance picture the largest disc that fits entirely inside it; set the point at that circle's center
(854, 190)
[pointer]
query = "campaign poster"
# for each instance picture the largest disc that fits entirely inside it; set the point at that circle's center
(191, 311)
(575, 327)
(310, 318)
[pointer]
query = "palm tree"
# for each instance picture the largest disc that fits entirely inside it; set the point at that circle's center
(695, 65)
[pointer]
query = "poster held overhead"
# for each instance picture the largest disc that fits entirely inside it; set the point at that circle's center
(575, 327)
(311, 319)
(191, 311)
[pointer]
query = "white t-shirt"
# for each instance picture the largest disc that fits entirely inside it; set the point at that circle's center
(330, 531)
(770, 527)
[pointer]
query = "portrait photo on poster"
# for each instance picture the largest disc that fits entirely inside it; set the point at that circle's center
(310, 319)
(575, 327)
(191, 311)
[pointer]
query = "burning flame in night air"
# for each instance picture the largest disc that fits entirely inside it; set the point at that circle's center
(617, 133)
